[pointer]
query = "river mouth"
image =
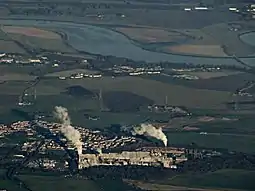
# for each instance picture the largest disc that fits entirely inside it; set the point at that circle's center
(102, 41)
(248, 38)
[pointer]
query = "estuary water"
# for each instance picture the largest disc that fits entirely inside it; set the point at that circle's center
(103, 41)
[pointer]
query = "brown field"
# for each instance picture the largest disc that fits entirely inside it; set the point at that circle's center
(209, 75)
(16, 77)
(151, 35)
(207, 50)
(41, 43)
(67, 73)
(10, 47)
(30, 31)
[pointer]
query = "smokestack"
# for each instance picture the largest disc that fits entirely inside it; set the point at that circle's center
(150, 131)
(72, 135)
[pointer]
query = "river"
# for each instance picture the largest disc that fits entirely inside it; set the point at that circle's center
(103, 41)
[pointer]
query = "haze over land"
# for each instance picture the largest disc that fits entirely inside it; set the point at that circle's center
(177, 76)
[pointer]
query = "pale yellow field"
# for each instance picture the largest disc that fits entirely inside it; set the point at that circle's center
(30, 31)
(150, 35)
(207, 50)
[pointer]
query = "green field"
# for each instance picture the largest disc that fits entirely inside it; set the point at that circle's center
(151, 89)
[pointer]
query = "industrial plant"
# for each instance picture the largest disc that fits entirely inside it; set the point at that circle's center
(87, 148)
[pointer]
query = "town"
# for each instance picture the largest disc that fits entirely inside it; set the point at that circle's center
(97, 149)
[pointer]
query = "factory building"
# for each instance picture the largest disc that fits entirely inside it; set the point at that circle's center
(143, 158)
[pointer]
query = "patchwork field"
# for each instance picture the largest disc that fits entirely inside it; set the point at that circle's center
(176, 94)
(14, 39)
(229, 39)
(30, 31)
(142, 87)
(38, 43)
(149, 35)
(213, 40)
(193, 42)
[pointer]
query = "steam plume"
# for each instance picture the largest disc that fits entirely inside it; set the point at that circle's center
(69, 132)
(150, 131)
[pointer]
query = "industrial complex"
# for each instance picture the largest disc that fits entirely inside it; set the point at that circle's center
(92, 154)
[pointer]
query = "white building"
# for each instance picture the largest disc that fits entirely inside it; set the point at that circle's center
(34, 60)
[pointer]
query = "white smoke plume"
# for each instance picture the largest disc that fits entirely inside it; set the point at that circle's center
(150, 131)
(72, 135)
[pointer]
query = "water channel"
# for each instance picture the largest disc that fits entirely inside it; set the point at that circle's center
(103, 41)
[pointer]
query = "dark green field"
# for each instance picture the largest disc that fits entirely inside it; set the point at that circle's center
(222, 179)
